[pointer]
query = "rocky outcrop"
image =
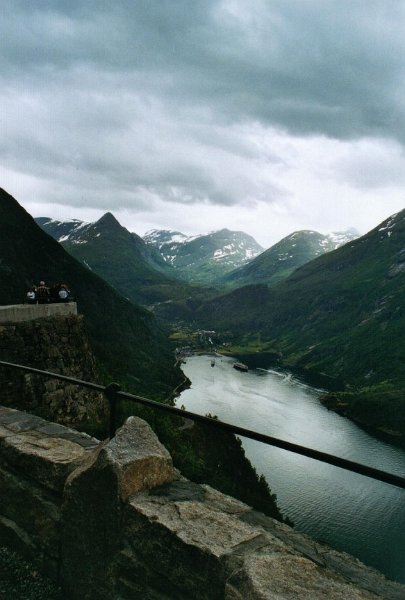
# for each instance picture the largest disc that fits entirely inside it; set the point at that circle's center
(189, 541)
(94, 498)
(35, 459)
(115, 520)
(58, 344)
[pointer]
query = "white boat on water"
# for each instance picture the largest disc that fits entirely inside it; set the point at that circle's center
(240, 366)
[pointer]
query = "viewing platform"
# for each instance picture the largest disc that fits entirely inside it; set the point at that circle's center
(16, 313)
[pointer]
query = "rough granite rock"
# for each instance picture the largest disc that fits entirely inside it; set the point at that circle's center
(182, 542)
(142, 462)
(35, 459)
(290, 577)
(91, 534)
(39, 450)
(115, 521)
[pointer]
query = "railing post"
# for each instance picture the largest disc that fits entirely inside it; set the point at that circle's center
(111, 393)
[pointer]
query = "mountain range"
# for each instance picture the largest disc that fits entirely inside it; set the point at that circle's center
(283, 258)
(135, 269)
(125, 338)
(341, 315)
(203, 259)
(159, 267)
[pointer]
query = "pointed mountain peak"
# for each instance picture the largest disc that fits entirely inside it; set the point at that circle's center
(108, 219)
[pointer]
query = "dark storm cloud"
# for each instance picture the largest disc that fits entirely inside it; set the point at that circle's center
(324, 66)
(155, 94)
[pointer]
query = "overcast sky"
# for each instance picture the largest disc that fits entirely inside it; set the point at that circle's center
(265, 116)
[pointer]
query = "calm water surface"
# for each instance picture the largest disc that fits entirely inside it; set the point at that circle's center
(347, 511)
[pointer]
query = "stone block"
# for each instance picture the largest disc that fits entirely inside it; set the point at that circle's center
(290, 577)
(27, 447)
(190, 531)
(142, 462)
(92, 508)
(185, 540)
(117, 522)
(47, 460)
(32, 507)
(35, 458)
(29, 521)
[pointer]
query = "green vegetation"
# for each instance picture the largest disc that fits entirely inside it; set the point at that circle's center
(207, 455)
(134, 269)
(383, 404)
(279, 261)
(128, 343)
(131, 348)
(339, 318)
(204, 259)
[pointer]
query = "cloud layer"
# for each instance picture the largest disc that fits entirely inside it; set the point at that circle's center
(147, 106)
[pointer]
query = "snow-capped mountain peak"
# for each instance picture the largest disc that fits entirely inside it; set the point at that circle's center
(62, 231)
(202, 258)
(158, 237)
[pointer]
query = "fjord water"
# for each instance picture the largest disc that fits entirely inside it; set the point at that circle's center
(347, 511)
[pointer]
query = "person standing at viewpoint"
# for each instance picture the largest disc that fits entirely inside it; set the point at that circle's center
(31, 296)
(42, 294)
(64, 293)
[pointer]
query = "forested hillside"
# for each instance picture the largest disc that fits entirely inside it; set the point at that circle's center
(279, 261)
(135, 269)
(342, 315)
(125, 337)
(130, 347)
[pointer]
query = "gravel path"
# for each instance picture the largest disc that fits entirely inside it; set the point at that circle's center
(20, 580)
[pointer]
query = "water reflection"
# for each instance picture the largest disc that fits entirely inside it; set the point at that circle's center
(348, 511)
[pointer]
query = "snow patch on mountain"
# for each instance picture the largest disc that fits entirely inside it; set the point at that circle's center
(159, 237)
(339, 238)
(390, 223)
(204, 257)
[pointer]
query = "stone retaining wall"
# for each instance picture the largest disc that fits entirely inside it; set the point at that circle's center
(60, 345)
(115, 520)
(16, 313)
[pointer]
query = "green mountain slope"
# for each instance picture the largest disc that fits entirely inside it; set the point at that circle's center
(342, 314)
(131, 266)
(130, 346)
(204, 258)
(279, 261)
(125, 337)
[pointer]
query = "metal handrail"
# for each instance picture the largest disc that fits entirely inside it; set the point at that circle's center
(113, 393)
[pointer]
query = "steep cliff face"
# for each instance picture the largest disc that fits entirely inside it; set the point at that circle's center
(57, 344)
